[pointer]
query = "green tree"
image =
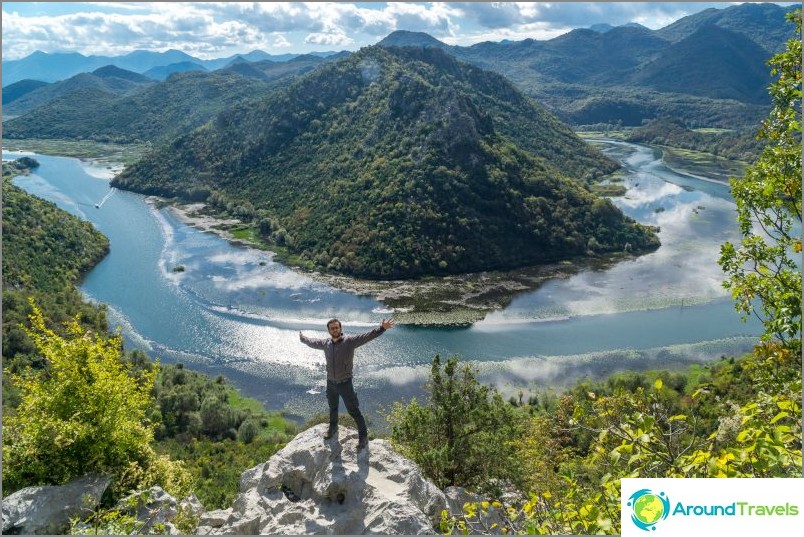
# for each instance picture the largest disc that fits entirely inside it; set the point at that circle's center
(762, 276)
(87, 412)
(464, 436)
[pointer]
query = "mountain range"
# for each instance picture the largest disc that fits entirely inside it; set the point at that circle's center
(707, 69)
(59, 66)
(83, 108)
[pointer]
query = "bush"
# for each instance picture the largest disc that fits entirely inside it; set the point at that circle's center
(88, 412)
(465, 436)
(247, 431)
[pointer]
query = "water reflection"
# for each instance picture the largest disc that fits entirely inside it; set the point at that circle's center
(682, 272)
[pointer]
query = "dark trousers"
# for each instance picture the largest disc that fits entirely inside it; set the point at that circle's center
(347, 391)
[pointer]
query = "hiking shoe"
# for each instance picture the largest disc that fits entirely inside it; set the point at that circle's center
(332, 431)
(362, 442)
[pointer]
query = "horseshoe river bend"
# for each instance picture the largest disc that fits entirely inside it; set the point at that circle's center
(236, 312)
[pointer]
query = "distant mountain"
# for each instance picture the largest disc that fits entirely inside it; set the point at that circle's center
(107, 80)
(581, 56)
(57, 66)
(245, 68)
(763, 23)
(604, 27)
(142, 60)
(712, 62)
(628, 74)
(271, 70)
(399, 162)
(403, 38)
(50, 67)
(18, 89)
(163, 71)
(158, 112)
(111, 72)
(257, 56)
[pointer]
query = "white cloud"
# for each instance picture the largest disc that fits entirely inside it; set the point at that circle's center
(280, 41)
(216, 29)
(332, 40)
(578, 14)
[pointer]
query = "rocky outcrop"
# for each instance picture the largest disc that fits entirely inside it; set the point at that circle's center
(317, 486)
(47, 510)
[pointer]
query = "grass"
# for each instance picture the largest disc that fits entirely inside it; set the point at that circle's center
(614, 135)
(275, 423)
(245, 233)
(106, 153)
(712, 130)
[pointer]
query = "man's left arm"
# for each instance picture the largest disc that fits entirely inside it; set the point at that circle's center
(362, 339)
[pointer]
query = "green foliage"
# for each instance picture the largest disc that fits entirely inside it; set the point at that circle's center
(761, 437)
(763, 277)
(398, 163)
(464, 436)
(575, 454)
(86, 413)
(194, 406)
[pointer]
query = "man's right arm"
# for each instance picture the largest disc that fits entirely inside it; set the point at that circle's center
(312, 342)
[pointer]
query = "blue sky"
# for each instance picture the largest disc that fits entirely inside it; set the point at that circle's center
(217, 29)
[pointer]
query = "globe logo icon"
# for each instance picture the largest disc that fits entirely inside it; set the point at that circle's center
(648, 508)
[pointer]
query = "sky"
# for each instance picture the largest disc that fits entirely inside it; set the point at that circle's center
(210, 30)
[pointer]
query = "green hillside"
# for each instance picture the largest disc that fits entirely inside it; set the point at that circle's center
(726, 65)
(400, 163)
(157, 113)
(45, 252)
(112, 80)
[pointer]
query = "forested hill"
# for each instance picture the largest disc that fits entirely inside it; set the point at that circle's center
(45, 252)
(400, 162)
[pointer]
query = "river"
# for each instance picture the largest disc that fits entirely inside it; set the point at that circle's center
(234, 311)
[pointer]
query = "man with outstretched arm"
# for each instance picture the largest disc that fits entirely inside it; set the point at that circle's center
(339, 350)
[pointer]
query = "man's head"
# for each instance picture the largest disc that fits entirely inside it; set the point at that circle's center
(334, 328)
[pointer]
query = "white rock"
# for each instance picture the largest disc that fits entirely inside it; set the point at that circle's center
(48, 509)
(317, 486)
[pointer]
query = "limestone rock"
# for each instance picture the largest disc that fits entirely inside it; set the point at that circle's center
(48, 509)
(317, 486)
(191, 505)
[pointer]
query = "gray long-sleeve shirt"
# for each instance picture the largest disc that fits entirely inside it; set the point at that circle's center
(340, 355)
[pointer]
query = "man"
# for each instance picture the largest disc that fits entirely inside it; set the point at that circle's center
(339, 351)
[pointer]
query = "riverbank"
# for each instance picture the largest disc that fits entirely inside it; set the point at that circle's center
(457, 300)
